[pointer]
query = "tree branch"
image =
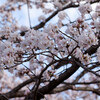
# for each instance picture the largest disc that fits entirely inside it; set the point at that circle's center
(41, 25)
(64, 88)
(54, 83)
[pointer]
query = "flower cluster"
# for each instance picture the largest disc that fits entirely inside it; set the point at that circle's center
(64, 38)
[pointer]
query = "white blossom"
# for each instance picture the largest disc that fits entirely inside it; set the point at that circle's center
(58, 4)
(42, 18)
(85, 8)
(61, 15)
(98, 54)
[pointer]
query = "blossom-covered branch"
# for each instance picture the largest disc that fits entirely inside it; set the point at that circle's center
(41, 60)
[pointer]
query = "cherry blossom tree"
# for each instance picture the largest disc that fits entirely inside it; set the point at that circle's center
(50, 61)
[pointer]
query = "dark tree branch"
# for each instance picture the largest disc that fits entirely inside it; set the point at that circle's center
(61, 62)
(13, 91)
(46, 89)
(41, 25)
(54, 83)
(87, 69)
(3, 97)
(84, 72)
(93, 48)
(64, 88)
(82, 83)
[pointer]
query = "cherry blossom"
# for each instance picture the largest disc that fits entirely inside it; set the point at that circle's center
(57, 58)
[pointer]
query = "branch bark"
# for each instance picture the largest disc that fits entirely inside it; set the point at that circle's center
(54, 83)
(64, 88)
